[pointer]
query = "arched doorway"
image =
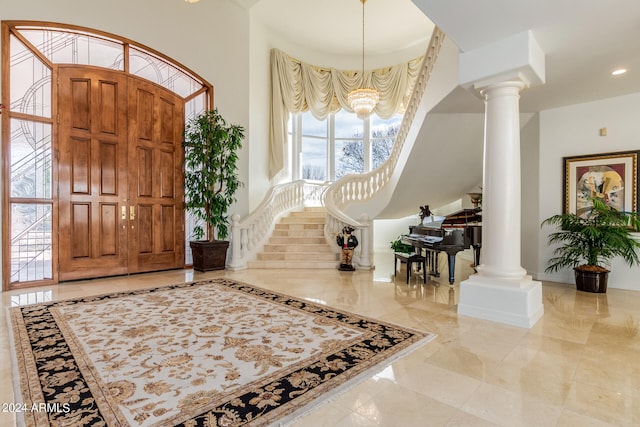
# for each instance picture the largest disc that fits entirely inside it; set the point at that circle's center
(92, 154)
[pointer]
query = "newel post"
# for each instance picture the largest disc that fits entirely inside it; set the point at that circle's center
(365, 237)
(236, 263)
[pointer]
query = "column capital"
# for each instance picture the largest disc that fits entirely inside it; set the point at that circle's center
(514, 58)
(505, 88)
(518, 85)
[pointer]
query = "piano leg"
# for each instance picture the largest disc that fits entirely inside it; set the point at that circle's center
(476, 257)
(432, 257)
(452, 267)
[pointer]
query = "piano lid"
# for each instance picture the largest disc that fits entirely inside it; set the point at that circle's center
(464, 216)
(433, 221)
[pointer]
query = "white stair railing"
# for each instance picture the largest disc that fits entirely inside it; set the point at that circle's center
(357, 188)
(249, 235)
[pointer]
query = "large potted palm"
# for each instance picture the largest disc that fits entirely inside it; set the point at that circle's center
(589, 242)
(211, 181)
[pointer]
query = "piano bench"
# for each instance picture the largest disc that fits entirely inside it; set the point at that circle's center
(409, 259)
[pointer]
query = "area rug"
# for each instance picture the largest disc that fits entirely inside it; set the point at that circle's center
(208, 353)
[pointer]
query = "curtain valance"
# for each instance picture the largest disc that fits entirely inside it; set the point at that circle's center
(298, 87)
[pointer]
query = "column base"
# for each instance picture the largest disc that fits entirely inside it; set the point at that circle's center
(363, 264)
(516, 302)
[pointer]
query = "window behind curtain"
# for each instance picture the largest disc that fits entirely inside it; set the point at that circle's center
(341, 143)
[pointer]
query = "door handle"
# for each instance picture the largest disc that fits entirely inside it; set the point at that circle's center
(124, 213)
(132, 213)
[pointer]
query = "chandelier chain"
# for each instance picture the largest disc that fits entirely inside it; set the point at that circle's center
(363, 100)
(363, 2)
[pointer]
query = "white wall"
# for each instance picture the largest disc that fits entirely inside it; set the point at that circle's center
(530, 201)
(387, 230)
(259, 105)
(572, 131)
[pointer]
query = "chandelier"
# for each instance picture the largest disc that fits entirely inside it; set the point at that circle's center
(363, 100)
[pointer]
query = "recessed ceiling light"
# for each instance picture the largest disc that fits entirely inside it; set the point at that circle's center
(618, 71)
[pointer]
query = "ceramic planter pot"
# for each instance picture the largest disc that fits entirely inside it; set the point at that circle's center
(591, 281)
(208, 255)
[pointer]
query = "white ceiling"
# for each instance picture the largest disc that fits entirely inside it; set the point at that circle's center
(335, 26)
(583, 39)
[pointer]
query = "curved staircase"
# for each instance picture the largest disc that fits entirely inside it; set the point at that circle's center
(298, 241)
(355, 199)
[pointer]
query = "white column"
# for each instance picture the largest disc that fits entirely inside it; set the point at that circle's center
(364, 262)
(501, 182)
(501, 291)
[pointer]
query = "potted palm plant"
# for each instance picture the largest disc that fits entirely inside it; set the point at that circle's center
(589, 242)
(211, 181)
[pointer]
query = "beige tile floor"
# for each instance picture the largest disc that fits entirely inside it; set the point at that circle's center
(578, 366)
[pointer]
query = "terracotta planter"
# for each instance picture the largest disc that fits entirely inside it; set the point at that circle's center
(591, 281)
(209, 256)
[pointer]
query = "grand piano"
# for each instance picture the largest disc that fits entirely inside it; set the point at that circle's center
(451, 234)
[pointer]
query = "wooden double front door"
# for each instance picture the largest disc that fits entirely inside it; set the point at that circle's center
(120, 179)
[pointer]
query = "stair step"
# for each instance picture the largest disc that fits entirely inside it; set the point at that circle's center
(297, 240)
(297, 248)
(308, 214)
(293, 264)
(299, 226)
(314, 232)
(297, 256)
(315, 209)
(302, 220)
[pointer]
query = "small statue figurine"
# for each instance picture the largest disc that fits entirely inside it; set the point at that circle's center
(424, 213)
(348, 242)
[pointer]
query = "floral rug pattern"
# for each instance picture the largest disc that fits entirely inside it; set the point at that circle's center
(209, 353)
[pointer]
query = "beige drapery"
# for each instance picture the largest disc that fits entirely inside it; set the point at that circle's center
(298, 87)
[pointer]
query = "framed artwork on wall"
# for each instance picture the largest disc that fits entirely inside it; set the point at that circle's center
(612, 177)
